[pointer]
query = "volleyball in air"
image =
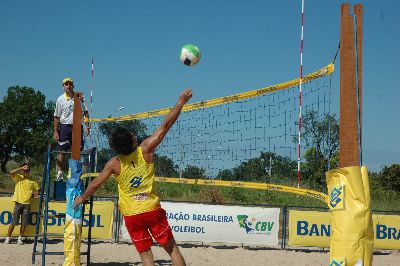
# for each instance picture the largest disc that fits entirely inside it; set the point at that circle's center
(190, 54)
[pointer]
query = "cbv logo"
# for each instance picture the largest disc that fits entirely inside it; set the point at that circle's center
(136, 181)
(336, 195)
(245, 222)
(251, 224)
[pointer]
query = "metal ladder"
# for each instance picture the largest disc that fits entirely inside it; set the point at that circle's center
(44, 215)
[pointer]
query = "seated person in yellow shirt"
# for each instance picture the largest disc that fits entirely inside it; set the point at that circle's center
(24, 188)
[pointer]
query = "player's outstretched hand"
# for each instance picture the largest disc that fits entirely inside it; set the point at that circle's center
(185, 96)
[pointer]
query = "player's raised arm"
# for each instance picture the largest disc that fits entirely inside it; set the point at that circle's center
(151, 143)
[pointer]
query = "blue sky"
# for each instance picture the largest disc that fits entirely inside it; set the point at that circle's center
(245, 45)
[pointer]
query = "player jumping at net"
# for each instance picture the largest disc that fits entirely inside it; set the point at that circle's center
(133, 169)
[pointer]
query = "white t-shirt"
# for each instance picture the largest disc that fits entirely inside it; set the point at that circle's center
(65, 109)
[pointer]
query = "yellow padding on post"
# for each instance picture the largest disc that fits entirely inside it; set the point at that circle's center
(72, 242)
(352, 236)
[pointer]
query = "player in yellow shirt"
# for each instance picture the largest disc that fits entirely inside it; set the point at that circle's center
(133, 169)
(24, 188)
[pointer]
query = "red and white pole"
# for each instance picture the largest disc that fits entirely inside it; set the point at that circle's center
(300, 95)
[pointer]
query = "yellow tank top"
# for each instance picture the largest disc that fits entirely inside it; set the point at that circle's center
(135, 184)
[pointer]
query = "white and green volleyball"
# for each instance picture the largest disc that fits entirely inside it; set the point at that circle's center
(190, 54)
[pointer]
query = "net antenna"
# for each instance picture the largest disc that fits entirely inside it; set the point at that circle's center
(300, 95)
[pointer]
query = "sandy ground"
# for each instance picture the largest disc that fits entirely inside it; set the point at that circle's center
(107, 253)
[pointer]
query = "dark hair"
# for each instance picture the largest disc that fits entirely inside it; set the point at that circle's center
(22, 165)
(121, 141)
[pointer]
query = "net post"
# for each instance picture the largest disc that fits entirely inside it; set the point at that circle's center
(77, 127)
(349, 131)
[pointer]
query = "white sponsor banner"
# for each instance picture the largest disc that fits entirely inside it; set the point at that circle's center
(216, 223)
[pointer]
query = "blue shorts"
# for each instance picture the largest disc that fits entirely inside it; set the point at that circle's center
(65, 141)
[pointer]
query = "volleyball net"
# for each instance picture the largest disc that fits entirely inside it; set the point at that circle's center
(245, 137)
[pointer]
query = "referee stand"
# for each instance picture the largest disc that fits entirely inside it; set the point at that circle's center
(58, 193)
(54, 191)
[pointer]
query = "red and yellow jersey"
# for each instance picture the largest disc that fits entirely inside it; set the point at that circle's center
(23, 189)
(135, 184)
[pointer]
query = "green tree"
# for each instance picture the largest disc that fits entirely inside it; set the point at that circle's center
(321, 133)
(226, 174)
(164, 166)
(136, 127)
(321, 138)
(192, 171)
(24, 125)
(314, 168)
(281, 167)
(267, 167)
(389, 177)
(253, 169)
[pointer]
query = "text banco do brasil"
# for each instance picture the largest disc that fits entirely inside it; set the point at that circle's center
(5, 219)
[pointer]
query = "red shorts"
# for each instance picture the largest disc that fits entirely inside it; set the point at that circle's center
(142, 226)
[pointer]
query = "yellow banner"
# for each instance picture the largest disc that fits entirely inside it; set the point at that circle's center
(222, 100)
(309, 228)
(6, 210)
(102, 218)
(313, 229)
(387, 231)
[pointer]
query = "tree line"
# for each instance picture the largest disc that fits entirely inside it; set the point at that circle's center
(26, 129)
(25, 125)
